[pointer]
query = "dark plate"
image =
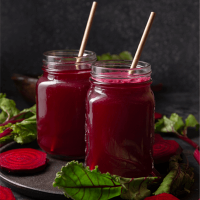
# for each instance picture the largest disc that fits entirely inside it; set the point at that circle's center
(39, 185)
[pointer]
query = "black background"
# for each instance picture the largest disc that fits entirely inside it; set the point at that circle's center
(31, 27)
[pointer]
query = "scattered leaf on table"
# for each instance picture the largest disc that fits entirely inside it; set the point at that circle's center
(136, 188)
(179, 179)
(79, 182)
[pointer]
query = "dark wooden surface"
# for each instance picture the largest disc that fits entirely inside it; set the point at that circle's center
(167, 103)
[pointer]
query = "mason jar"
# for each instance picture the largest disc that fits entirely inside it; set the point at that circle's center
(60, 97)
(120, 119)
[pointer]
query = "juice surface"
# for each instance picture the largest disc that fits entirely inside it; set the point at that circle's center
(61, 113)
(120, 126)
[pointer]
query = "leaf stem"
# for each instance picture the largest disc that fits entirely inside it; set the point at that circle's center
(189, 141)
(197, 155)
(11, 121)
(6, 132)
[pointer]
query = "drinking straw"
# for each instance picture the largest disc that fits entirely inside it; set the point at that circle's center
(87, 30)
(142, 41)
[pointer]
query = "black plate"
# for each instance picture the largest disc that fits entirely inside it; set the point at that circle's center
(39, 185)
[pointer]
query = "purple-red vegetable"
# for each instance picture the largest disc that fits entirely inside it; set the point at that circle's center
(24, 160)
(164, 149)
(6, 194)
(11, 121)
(163, 196)
(6, 132)
(197, 155)
(157, 115)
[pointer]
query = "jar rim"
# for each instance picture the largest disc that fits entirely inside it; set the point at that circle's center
(65, 52)
(121, 64)
(60, 60)
(120, 69)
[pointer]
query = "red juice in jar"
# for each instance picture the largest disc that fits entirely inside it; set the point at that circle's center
(120, 119)
(60, 97)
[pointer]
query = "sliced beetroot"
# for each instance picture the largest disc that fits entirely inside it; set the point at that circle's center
(157, 115)
(6, 193)
(24, 160)
(163, 196)
(164, 149)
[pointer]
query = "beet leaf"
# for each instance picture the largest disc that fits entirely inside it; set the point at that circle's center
(8, 108)
(27, 112)
(25, 131)
(191, 121)
(176, 125)
(78, 182)
(125, 55)
(3, 128)
(6, 139)
(136, 188)
(23, 127)
(179, 179)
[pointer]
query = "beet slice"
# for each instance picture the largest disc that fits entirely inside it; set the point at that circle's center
(164, 149)
(163, 196)
(6, 193)
(24, 160)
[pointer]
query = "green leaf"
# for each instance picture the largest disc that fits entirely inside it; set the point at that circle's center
(6, 139)
(105, 56)
(8, 108)
(125, 55)
(2, 128)
(159, 125)
(31, 109)
(25, 131)
(2, 95)
(168, 125)
(3, 117)
(179, 179)
(115, 57)
(98, 57)
(191, 122)
(136, 188)
(179, 124)
(79, 182)
(175, 124)
(22, 132)
(28, 112)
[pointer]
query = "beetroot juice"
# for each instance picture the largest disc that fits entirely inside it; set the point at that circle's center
(61, 93)
(120, 119)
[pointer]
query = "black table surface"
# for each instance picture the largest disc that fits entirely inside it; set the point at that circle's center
(166, 103)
